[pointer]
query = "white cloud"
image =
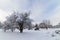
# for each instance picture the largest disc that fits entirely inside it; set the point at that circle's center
(7, 6)
(55, 18)
(3, 14)
(37, 9)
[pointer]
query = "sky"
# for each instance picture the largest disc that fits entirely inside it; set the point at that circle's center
(40, 9)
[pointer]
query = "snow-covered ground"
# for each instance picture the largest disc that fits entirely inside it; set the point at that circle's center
(42, 34)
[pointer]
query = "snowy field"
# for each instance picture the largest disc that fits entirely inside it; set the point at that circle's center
(42, 34)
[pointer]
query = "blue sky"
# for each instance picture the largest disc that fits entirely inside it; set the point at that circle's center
(40, 9)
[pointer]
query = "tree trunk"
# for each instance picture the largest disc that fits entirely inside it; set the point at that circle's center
(21, 30)
(21, 27)
(12, 30)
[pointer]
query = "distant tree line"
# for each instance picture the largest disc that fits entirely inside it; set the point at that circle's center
(22, 21)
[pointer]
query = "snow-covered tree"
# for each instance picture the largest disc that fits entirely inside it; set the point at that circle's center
(11, 23)
(36, 27)
(57, 26)
(19, 21)
(24, 19)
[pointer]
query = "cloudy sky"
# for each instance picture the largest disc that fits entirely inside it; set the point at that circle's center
(40, 9)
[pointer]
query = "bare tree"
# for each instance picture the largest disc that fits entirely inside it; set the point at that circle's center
(45, 24)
